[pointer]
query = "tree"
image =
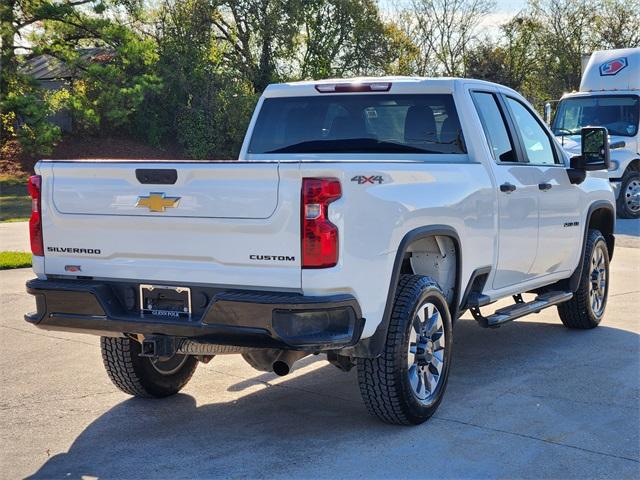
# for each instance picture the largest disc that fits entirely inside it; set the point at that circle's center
(511, 60)
(343, 37)
(16, 17)
(404, 54)
(565, 33)
(270, 40)
(202, 104)
(257, 36)
(540, 50)
(108, 91)
(617, 24)
(20, 18)
(443, 31)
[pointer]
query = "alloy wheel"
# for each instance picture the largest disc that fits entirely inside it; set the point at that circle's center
(426, 354)
(598, 281)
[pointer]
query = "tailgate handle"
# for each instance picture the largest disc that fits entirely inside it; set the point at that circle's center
(151, 176)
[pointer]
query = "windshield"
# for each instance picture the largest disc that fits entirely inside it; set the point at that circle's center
(618, 113)
(358, 124)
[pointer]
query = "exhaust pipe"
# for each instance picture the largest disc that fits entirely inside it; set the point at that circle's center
(283, 364)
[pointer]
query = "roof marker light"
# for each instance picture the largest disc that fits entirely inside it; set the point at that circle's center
(325, 88)
(353, 87)
(380, 87)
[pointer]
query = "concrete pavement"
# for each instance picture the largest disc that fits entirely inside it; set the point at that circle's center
(14, 237)
(529, 400)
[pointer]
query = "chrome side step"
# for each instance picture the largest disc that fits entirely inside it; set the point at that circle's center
(520, 308)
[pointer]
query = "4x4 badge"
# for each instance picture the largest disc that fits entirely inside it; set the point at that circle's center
(157, 202)
(361, 179)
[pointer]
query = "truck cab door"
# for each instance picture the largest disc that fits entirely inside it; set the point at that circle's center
(518, 194)
(558, 199)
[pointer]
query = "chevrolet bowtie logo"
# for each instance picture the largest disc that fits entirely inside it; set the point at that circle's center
(157, 202)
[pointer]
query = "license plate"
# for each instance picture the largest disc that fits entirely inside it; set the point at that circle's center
(164, 301)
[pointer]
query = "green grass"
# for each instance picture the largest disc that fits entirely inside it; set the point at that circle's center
(10, 186)
(14, 260)
(15, 208)
(15, 203)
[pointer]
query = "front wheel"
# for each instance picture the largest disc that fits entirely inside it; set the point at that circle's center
(406, 383)
(629, 197)
(586, 309)
(143, 376)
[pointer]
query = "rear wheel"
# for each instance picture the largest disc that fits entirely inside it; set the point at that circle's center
(406, 383)
(586, 309)
(143, 376)
(629, 198)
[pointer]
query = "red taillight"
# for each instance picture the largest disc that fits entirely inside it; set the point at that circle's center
(319, 235)
(35, 222)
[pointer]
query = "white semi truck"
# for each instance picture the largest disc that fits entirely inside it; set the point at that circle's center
(609, 97)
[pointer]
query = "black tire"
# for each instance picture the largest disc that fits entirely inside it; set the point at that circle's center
(385, 383)
(138, 376)
(630, 180)
(580, 312)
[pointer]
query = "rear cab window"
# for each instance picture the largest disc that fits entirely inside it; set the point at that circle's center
(358, 124)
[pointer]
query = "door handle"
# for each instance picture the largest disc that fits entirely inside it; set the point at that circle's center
(507, 187)
(160, 176)
(544, 186)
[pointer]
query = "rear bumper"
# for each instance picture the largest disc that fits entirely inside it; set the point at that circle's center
(230, 317)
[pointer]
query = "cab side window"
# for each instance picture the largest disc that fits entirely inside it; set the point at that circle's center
(494, 127)
(535, 140)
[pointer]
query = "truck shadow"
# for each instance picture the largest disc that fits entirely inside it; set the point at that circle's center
(318, 416)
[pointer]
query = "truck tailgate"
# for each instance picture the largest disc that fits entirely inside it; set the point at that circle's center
(228, 223)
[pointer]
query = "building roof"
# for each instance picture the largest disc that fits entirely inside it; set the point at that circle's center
(47, 67)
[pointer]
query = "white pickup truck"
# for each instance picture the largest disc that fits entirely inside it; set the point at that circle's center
(363, 218)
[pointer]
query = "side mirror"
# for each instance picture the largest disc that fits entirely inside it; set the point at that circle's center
(595, 150)
(547, 113)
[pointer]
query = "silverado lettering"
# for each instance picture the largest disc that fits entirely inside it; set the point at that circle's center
(88, 251)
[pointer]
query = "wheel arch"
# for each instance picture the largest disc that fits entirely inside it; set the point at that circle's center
(602, 216)
(372, 346)
(634, 165)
